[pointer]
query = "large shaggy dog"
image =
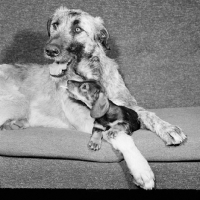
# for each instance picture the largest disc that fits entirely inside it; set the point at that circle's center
(36, 95)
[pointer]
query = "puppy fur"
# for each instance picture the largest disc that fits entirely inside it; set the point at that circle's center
(115, 124)
(108, 116)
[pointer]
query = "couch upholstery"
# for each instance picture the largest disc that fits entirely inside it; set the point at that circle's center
(156, 44)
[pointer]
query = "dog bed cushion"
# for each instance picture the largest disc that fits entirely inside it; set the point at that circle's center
(64, 144)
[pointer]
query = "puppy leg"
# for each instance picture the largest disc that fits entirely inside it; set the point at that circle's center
(95, 140)
(137, 164)
(170, 134)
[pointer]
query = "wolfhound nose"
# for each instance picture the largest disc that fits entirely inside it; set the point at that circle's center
(52, 50)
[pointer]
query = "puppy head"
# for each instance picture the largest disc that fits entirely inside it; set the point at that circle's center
(92, 94)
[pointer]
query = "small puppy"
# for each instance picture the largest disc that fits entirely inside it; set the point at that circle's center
(108, 116)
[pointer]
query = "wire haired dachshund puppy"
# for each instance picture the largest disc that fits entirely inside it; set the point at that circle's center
(108, 116)
(114, 124)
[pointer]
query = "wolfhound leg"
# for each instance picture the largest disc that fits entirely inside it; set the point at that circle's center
(170, 134)
(12, 112)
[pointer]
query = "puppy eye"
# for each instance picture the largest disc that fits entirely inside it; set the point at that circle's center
(84, 87)
(77, 30)
(55, 25)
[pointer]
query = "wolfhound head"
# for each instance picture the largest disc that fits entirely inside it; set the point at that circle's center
(74, 35)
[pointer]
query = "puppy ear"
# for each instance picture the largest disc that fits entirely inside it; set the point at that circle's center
(100, 107)
(48, 26)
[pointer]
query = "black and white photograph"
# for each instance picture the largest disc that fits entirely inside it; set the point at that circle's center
(100, 94)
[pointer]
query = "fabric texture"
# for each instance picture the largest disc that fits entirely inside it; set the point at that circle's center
(59, 143)
(74, 174)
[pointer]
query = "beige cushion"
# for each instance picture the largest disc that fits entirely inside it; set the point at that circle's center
(60, 143)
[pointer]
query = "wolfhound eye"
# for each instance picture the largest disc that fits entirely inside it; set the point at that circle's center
(78, 30)
(55, 25)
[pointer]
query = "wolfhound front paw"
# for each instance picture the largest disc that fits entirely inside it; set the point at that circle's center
(14, 124)
(173, 135)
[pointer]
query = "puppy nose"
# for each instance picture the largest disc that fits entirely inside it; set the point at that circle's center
(52, 50)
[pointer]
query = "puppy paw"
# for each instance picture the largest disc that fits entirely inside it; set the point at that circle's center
(94, 144)
(173, 135)
(144, 178)
(14, 124)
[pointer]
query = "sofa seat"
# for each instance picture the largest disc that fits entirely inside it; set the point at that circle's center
(57, 158)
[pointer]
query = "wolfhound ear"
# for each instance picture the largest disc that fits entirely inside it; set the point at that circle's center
(100, 107)
(102, 33)
(48, 25)
(103, 38)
